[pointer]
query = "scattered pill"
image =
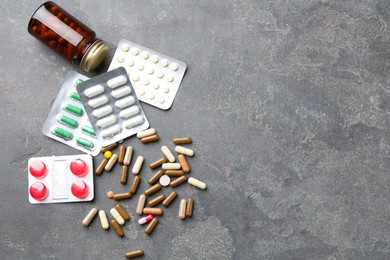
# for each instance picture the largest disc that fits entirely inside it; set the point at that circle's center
(152, 224)
(114, 130)
(117, 81)
(128, 155)
(122, 196)
(145, 219)
(189, 207)
(165, 180)
(155, 177)
(171, 166)
(132, 122)
(182, 140)
(153, 211)
(62, 133)
(182, 209)
(122, 212)
(97, 102)
(101, 166)
(123, 176)
(94, 91)
(108, 154)
(178, 181)
(183, 162)
(168, 153)
(89, 217)
(168, 200)
(74, 110)
(115, 214)
(134, 254)
(134, 185)
(174, 173)
(109, 147)
(150, 139)
(141, 204)
(117, 228)
(110, 194)
(103, 219)
(68, 121)
(121, 153)
(111, 162)
(138, 165)
(184, 150)
(121, 92)
(197, 183)
(125, 102)
(153, 189)
(156, 201)
(106, 121)
(158, 163)
(147, 132)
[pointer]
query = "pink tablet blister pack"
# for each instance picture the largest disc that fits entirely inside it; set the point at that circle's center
(59, 179)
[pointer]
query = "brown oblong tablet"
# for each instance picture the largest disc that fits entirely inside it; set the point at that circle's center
(169, 199)
(182, 140)
(153, 211)
(178, 181)
(117, 228)
(183, 162)
(109, 147)
(157, 200)
(134, 254)
(122, 196)
(121, 153)
(124, 173)
(152, 224)
(189, 207)
(149, 139)
(174, 173)
(156, 187)
(134, 184)
(122, 212)
(158, 163)
(101, 166)
(155, 177)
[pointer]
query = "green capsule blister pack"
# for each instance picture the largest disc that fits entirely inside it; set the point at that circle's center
(67, 121)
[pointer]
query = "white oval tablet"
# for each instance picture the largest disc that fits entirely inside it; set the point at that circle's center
(117, 81)
(165, 180)
(125, 102)
(97, 102)
(103, 111)
(94, 91)
(106, 121)
(129, 112)
(121, 92)
(111, 131)
(132, 122)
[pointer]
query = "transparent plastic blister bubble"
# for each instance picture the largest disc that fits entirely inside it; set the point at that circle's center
(112, 106)
(59, 179)
(67, 121)
(156, 77)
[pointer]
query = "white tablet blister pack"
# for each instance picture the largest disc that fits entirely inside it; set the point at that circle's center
(112, 106)
(156, 77)
(67, 121)
(58, 179)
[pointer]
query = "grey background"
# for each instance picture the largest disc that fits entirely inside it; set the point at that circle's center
(288, 103)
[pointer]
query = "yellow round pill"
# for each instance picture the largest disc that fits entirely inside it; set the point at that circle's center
(108, 154)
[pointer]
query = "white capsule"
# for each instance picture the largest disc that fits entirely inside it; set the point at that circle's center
(182, 209)
(184, 150)
(128, 155)
(147, 132)
(103, 111)
(197, 183)
(117, 81)
(132, 122)
(171, 166)
(97, 102)
(141, 204)
(125, 102)
(106, 121)
(103, 219)
(115, 214)
(94, 91)
(90, 216)
(121, 92)
(137, 165)
(168, 153)
(111, 131)
(129, 112)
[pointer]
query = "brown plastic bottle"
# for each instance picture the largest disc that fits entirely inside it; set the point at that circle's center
(67, 36)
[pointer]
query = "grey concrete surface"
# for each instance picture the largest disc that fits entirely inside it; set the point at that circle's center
(288, 103)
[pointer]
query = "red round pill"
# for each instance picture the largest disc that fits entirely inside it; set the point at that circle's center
(79, 189)
(78, 167)
(38, 169)
(38, 191)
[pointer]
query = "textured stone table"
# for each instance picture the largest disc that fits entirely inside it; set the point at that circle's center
(288, 103)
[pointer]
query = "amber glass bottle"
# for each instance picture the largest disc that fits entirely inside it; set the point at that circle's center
(68, 36)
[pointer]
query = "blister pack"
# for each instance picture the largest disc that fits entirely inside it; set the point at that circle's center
(156, 77)
(67, 121)
(56, 179)
(112, 106)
